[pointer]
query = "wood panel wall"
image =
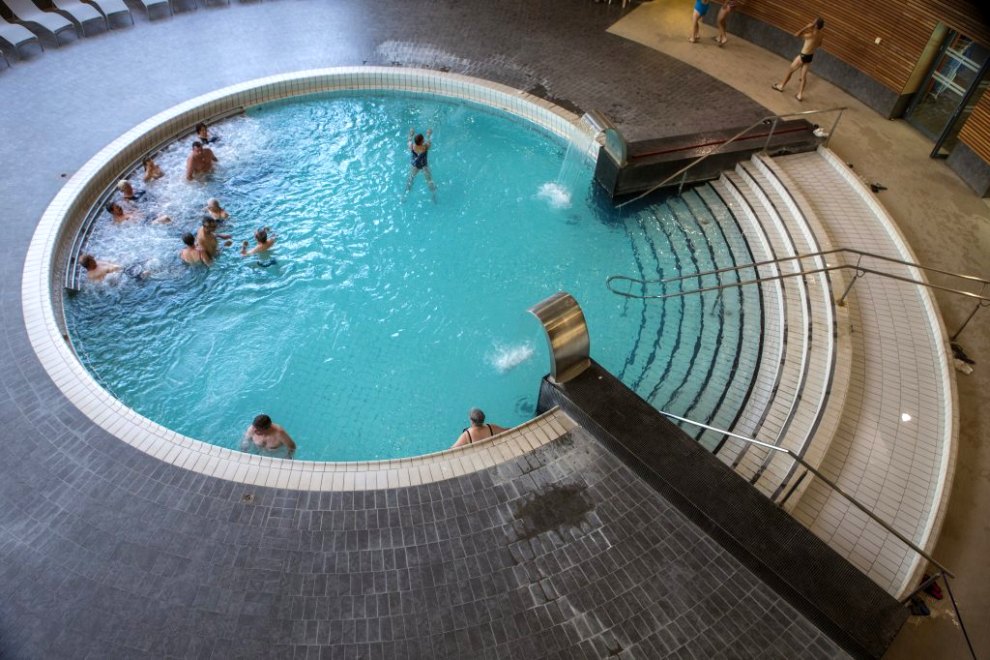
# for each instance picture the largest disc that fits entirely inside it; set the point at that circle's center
(975, 133)
(852, 26)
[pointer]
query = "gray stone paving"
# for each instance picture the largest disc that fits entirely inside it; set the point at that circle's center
(105, 552)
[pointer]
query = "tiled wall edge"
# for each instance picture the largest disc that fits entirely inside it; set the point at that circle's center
(930, 534)
(67, 211)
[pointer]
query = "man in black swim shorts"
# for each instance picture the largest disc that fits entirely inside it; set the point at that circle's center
(812, 33)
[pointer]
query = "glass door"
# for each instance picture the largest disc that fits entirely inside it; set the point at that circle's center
(947, 97)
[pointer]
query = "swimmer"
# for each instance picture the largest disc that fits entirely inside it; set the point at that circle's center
(700, 9)
(200, 161)
(419, 153)
(478, 430)
(127, 191)
(812, 34)
(266, 435)
(191, 254)
(151, 170)
(263, 242)
(203, 134)
(206, 238)
(97, 270)
(215, 211)
(118, 214)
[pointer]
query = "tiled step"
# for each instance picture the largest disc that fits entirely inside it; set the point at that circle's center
(651, 315)
(676, 344)
(651, 352)
(696, 396)
(815, 385)
(727, 398)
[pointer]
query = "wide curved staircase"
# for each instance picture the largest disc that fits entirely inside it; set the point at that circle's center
(779, 361)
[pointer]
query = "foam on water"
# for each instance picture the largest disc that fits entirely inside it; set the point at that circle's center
(504, 358)
(556, 194)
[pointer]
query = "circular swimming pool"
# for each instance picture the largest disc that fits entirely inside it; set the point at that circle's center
(379, 317)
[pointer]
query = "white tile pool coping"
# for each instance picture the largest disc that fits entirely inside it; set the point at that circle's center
(47, 255)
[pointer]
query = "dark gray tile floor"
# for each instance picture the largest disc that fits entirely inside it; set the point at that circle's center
(105, 552)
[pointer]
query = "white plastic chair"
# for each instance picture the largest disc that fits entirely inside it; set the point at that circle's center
(111, 8)
(80, 14)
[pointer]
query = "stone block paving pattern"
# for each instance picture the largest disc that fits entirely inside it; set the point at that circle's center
(105, 552)
(562, 553)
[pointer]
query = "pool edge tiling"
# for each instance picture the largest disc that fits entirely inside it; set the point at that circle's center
(63, 219)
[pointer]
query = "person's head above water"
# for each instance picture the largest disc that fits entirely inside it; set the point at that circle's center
(261, 235)
(262, 422)
(189, 239)
(208, 222)
(197, 146)
(418, 139)
(124, 185)
(115, 209)
(87, 261)
(201, 129)
(477, 416)
(213, 204)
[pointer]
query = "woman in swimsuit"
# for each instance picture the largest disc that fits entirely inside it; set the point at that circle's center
(700, 9)
(478, 430)
(419, 153)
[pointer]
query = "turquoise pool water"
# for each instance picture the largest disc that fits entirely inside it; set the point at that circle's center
(377, 321)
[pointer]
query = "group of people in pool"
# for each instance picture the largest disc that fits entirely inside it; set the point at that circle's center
(266, 437)
(201, 247)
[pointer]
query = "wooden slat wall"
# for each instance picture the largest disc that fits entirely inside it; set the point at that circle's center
(851, 26)
(975, 133)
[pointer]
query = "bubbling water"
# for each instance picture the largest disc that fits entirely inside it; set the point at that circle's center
(558, 196)
(505, 358)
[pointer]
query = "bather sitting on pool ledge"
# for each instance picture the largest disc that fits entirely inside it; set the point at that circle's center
(478, 430)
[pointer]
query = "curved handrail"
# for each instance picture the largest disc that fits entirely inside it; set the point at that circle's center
(771, 119)
(810, 255)
(834, 486)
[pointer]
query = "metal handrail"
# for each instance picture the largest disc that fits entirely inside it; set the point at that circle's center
(829, 482)
(771, 119)
(983, 300)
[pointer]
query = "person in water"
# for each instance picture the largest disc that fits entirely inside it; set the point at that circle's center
(151, 170)
(97, 270)
(263, 242)
(200, 161)
(812, 34)
(118, 214)
(206, 238)
(127, 191)
(267, 436)
(478, 430)
(215, 211)
(203, 134)
(191, 254)
(419, 148)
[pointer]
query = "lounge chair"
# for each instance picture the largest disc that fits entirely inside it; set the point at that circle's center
(16, 36)
(79, 13)
(148, 4)
(111, 8)
(27, 13)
